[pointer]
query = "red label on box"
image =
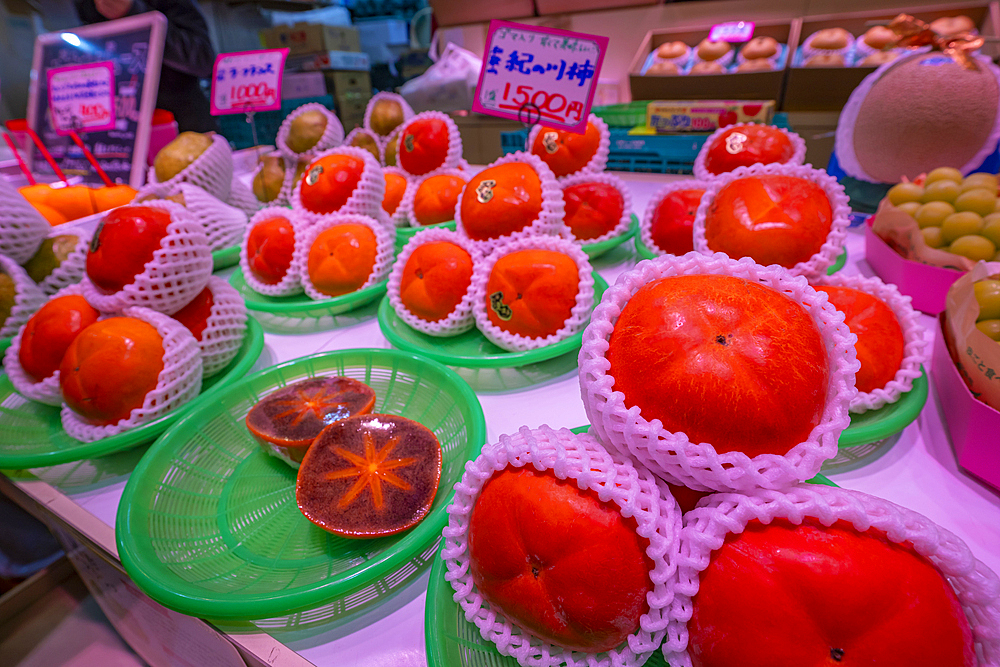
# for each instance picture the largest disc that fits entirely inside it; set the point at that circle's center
(247, 81)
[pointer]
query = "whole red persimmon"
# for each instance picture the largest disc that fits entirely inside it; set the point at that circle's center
(672, 226)
(395, 188)
(782, 595)
(342, 258)
(566, 152)
(329, 182)
(50, 331)
(270, 248)
(123, 244)
(501, 200)
(880, 343)
(727, 361)
(435, 279)
(531, 293)
(558, 561)
(592, 209)
(436, 198)
(772, 219)
(194, 316)
(744, 145)
(423, 145)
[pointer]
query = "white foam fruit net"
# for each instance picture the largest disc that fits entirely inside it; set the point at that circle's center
(636, 493)
(624, 222)
(71, 270)
(366, 199)
(387, 140)
(28, 297)
(646, 223)
(598, 160)
(226, 327)
(42, 391)
(702, 173)
(457, 321)
(291, 282)
(332, 136)
(241, 196)
(550, 218)
(384, 247)
(178, 383)
(178, 271)
(706, 528)
(212, 171)
(914, 339)
(579, 315)
(832, 247)
(404, 105)
(349, 139)
(398, 217)
(22, 228)
(413, 186)
(224, 225)
(698, 465)
(454, 154)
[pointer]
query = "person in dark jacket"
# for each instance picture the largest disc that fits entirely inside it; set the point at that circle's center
(187, 54)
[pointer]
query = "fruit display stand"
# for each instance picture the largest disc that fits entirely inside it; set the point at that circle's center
(918, 470)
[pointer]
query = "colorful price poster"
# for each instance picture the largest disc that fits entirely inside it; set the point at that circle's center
(82, 97)
(534, 74)
(734, 31)
(247, 81)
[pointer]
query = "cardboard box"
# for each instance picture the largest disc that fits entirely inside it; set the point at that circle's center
(348, 85)
(296, 85)
(341, 60)
(311, 38)
(705, 115)
(352, 112)
(456, 12)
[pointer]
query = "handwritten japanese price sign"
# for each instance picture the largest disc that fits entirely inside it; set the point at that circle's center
(533, 74)
(734, 31)
(82, 97)
(247, 81)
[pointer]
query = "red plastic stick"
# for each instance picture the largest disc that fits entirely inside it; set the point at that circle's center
(20, 162)
(91, 159)
(21, 125)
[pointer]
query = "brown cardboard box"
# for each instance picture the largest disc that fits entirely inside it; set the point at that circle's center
(455, 12)
(352, 112)
(303, 38)
(348, 85)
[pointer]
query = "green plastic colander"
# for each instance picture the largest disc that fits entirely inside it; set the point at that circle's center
(208, 524)
(33, 435)
(471, 349)
(225, 257)
(643, 251)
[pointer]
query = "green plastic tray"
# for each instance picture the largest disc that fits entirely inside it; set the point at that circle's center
(208, 524)
(888, 420)
(33, 435)
(597, 249)
(471, 349)
(404, 234)
(4, 344)
(644, 252)
(226, 257)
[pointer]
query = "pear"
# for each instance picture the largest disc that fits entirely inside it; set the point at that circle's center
(50, 256)
(390, 151)
(7, 292)
(268, 181)
(177, 198)
(386, 116)
(366, 141)
(306, 130)
(176, 156)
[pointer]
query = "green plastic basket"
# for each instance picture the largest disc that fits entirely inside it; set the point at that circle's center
(623, 115)
(404, 234)
(643, 251)
(208, 524)
(471, 349)
(298, 313)
(33, 435)
(597, 249)
(226, 257)
(4, 344)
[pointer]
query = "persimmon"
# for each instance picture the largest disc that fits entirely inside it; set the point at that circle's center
(592, 209)
(672, 225)
(107, 198)
(270, 249)
(74, 201)
(123, 243)
(423, 145)
(194, 316)
(436, 198)
(501, 200)
(532, 293)
(342, 258)
(395, 188)
(329, 182)
(435, 279)
(110, 367)
(50, 331)
(566, 152)
(744, 145)
(52, 216)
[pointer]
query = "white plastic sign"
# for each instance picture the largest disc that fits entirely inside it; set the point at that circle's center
(247, 81)
(82, 97)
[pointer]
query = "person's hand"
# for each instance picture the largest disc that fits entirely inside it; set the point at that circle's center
(113, 9)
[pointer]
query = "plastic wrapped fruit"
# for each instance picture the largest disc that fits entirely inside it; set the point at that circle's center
(341, 254)
(362, 138)
(22, 228)
(286, 422)
(568, 153)
(433, 199)
(180, 153)
(395, 189)
(217, 319)
(269, 178)
(59, 261)
(341, 180)
(987, 293)
(385, 112)
(309, 130)
(598, 206)
(747, 144)
(668, 222)
(268, 251)
(19, 297)
(428, 141)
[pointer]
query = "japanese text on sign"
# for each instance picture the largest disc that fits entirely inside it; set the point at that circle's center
(247, 81)
(82, 97)
(535, 74)
(735, 31)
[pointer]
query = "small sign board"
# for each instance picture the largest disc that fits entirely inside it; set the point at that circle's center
(247, 81)
(736, 32)
(82, 97)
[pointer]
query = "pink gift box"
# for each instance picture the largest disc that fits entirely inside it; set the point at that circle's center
(972, 425)
(927, 285)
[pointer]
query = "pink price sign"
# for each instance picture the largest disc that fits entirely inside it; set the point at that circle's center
(534, 74)
(82, 97)
(734, 31)
(247, 81)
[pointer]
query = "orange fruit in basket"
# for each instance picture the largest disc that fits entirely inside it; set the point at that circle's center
(194, 316)
(329, 182)
(501, 200)
(290, 418)
(770, 218)
(395, 188)
(672, 225)
(123, 243)
(50, 331)
(110, 367)
(369, 476)
(744, 145)
(566, 152)
(532, 293)
(107, 198)
(270, 249)
(38, 193)
(880, 343)
(342, 258)
(436, 198)
(592, 209)
(52, 216)
(74, 201)
(423, 145)
(435, 279)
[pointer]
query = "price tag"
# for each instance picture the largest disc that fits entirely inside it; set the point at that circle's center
(734, 31)
(82, 97)
(247, 81)
(534, 74)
